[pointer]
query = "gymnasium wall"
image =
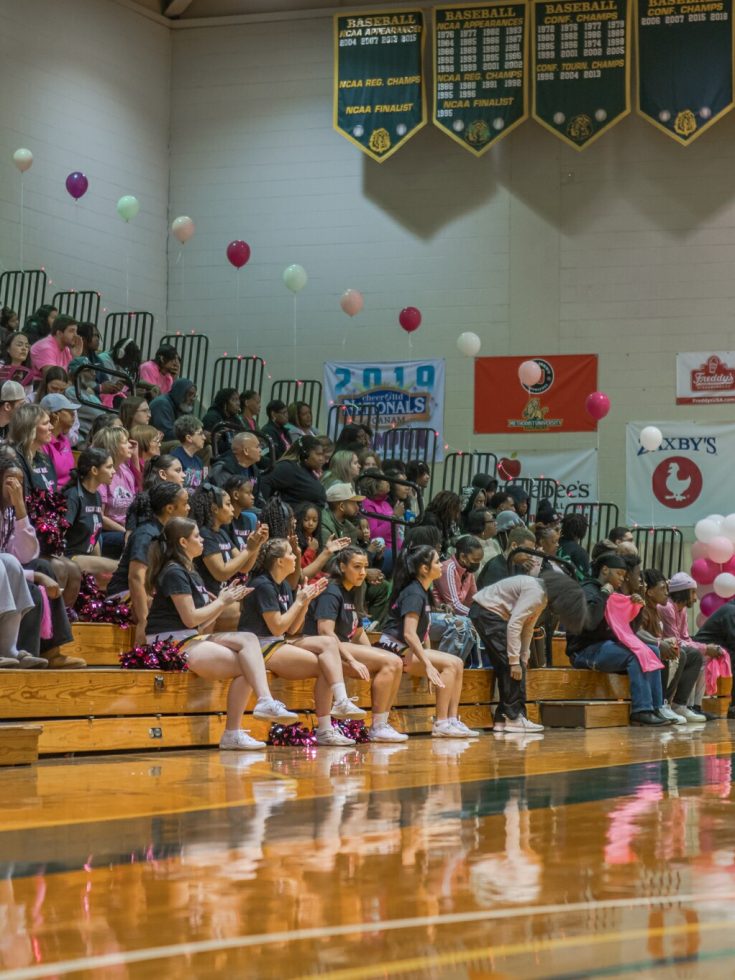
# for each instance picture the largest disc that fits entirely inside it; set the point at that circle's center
(86, 86)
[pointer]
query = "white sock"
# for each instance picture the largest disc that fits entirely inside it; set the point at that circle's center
(453, 718)
(325, 723)
(380, 718)
(339, 691)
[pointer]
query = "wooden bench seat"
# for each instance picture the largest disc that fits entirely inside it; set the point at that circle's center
(19, 744)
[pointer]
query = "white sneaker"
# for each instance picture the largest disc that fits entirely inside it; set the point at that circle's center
(333, 737)
(240, 741)
(498, 726)
(445, 729)
(464, 730)
(686, 713)
(522, 724)
(666, 712)
(268, 709)
(385, 733)
(346, 708)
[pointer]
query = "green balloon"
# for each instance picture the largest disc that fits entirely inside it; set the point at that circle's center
(128, 206)
(295, 278)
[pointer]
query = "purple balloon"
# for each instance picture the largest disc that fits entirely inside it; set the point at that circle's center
(77, 184)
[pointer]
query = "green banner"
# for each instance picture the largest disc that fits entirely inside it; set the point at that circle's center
(685, 65)
(480, 57)
(581, 67)
(379, 92)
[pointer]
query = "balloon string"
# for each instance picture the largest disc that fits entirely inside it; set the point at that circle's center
(294, 336)
(22, 190)
(127, 270)
(237, 312)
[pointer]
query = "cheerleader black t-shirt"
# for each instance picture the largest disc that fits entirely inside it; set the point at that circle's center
(266, 596)
(338, 604)
(84, 514)
(173, 580)
(413, 599)
(215, 543)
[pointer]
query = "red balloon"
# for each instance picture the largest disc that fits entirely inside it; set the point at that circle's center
(711, 603)
(597, 405)
(77, 184)
(410, 319)
(238, 253)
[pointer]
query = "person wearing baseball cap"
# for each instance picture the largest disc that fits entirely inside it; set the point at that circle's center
(339, 492)
(341, 510)
(673, 615)
(62, 414)
(12, 394)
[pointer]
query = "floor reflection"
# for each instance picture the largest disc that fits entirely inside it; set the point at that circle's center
(368, 835)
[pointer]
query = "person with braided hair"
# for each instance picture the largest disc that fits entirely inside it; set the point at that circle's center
(277, 616)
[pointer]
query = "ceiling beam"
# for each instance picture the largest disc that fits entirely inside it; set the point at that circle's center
(175, 8)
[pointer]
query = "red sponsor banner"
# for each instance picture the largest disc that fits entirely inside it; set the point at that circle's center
(555, 404)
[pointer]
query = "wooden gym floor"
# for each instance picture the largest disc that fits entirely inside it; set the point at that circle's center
(598, 853)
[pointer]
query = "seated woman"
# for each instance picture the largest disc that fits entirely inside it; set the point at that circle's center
(475, 499)
(367, 458)
(245, 518)
(15, 355)
(134, 410)
(148, 515)
(225, 407)
(296, 474)
(377, 506)
(54, 381)
(483, 525)
(39, 324)
(148, 440)
(572, 533)
(183, 612)
(273, 613)
(118, 495)
(314, 558)
(334, 614)
(405, 631)
(418, 472)
(343, 468)
(444, 512)
(18, 541)
(84, 512)
(63, 415)
(163, 468)
(163, 370)
(299, 420)
(220, 560)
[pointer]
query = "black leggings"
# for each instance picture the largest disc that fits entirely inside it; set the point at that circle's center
(493, 631)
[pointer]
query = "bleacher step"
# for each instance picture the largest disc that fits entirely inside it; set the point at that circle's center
(19, 744)
(99, 644)
(585, 714)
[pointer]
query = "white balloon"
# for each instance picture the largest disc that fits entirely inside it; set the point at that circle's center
(725, 585)
(705, 530)
(182, 228)
(23, 159)
(728, 527)
(650, 438)
(469, 344)
(717, 518)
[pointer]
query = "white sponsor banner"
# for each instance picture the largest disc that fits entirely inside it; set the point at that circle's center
(705, 378)
(686, 478)
(574, 470)
(407, 394)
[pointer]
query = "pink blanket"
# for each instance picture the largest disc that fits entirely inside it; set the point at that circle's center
(619, 613)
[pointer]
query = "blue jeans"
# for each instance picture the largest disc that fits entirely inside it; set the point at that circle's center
(646, 692)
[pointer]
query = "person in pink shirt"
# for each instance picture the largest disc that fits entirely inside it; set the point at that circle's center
(59, 347)
(457, 586)
(63, 414)
(163, 370)
(674, 616)
(376, 506)
(119, 495)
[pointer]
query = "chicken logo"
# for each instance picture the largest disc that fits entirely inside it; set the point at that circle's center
(677, 482)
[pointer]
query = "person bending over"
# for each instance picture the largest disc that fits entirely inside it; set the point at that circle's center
(334, 614)
(182, 612)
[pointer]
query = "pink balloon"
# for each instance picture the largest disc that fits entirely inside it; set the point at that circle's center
(720, 549)
(710, 603)
(529, 373)
(704, 571)
(410, 318)
(699, 550)
(352, 302)
(597, 405)
(729, 566)
(238, 253)
(77, 184)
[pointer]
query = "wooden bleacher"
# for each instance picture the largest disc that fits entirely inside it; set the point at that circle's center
(107, 709)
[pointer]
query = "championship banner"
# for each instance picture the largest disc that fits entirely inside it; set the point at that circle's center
(574, 470)
(480, 58)
(555, 404)
(705, 378)
(379, 94)
(580, 72)
(688, 477)
(685, 65)
(407, 394)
